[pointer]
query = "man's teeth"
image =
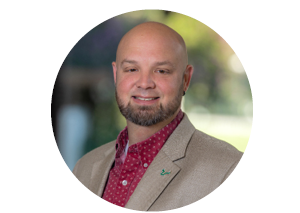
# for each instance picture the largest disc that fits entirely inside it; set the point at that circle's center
(145, 99)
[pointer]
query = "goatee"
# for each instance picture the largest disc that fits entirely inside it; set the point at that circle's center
(149, 115)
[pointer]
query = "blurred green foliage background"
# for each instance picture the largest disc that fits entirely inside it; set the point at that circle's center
(84, 111)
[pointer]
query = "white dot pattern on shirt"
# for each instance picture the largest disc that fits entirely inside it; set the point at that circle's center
(133, 167)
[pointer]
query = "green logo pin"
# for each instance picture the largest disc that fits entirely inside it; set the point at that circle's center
(164, 173)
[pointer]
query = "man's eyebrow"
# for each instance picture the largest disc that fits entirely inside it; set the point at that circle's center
(160, 63)
(128, 61)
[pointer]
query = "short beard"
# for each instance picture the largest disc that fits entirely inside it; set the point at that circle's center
(149, 115)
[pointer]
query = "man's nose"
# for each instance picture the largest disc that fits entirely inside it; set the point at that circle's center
(145, 81)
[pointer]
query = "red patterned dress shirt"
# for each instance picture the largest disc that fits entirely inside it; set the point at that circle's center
(130, 167)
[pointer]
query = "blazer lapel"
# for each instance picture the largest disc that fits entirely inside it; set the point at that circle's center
(101, 171)
(154, 181)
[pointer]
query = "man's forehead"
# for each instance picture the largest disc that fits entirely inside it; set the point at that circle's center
(145, 50)
(150, 42)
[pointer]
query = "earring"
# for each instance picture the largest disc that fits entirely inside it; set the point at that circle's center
(183, 93)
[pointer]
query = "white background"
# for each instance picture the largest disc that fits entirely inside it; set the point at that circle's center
(37, 36)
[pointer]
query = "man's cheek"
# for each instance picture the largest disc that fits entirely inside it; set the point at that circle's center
(126, 83)
(170, 89)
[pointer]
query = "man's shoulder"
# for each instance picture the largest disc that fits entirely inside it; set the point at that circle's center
(210, 156)
(214, 152)
(95, 155)
(212, 144)
(200, 145)
(98, 152)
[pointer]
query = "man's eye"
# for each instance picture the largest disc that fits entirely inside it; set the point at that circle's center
(131, 70)
(162, 71)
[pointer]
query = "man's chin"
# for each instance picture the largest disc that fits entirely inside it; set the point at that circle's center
(142, 109)
(143, 115)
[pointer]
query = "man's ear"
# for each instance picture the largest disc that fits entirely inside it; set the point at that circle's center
(187, 76)
(114, 65)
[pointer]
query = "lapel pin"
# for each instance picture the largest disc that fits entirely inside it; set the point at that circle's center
(165, 173)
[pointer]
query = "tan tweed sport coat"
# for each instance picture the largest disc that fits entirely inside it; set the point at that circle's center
(197, 162)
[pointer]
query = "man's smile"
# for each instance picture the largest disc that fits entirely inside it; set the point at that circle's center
(145, 100)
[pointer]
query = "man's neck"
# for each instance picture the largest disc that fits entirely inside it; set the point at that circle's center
(137, 133)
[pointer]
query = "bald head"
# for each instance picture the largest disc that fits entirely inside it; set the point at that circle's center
(147, 34)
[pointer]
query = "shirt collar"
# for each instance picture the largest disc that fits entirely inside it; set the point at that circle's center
(151, 146)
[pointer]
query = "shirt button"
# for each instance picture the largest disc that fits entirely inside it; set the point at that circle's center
(124, 182)
(145, 165)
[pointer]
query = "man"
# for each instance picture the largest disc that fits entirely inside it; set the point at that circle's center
(159, 161)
